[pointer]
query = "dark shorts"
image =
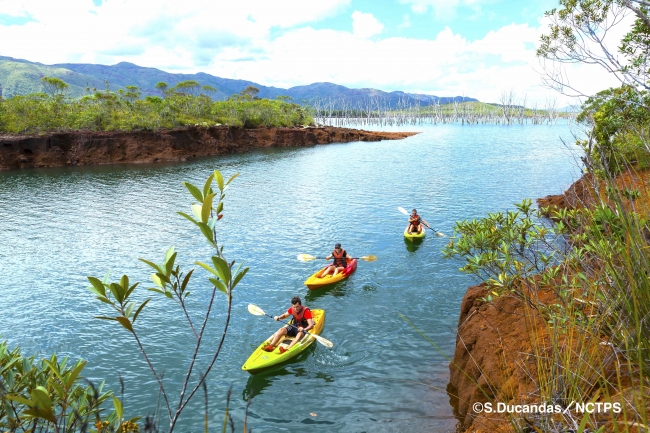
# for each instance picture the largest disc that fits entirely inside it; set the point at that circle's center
(292, 331)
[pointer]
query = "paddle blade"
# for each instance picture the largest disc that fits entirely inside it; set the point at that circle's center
(401, 209)
(368, 258)
(306, 257)
(440, 234)
(255, 310)
(324, 341)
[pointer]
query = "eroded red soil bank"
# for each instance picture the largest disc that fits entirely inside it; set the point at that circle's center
(91, 148)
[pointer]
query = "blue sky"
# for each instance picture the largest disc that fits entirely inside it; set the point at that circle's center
(477, 48)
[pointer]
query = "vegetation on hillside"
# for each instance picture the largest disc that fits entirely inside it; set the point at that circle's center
(187, 103)
(594, 256)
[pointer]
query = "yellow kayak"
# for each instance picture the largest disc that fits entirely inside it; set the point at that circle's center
(261, 360)
(316, 282)
(415, 236)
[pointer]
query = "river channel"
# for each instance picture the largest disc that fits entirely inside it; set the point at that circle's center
(60, 225)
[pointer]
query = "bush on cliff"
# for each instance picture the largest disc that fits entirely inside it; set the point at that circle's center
(183, 105)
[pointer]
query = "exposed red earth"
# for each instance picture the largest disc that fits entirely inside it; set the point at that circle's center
(182, 144)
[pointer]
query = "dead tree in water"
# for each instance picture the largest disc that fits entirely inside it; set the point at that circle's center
(378, 111)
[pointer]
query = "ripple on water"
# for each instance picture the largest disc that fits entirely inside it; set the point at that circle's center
(61, 225)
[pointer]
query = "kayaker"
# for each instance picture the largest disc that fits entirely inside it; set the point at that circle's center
(339, 264)
(415, 222)
(300, 323)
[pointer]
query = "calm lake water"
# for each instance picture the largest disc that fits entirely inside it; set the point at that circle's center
(58, 226)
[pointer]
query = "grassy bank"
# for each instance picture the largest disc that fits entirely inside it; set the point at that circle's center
(578, 275)
(185, 104)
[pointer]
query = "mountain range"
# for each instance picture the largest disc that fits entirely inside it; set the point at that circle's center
(22, 77)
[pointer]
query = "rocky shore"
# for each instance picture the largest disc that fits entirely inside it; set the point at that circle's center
(182, 144)
(498, 342)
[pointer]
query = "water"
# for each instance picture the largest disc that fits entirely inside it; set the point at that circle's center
(60, 225)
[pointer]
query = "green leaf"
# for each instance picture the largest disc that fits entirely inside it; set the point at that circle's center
(186, 280)
(124, 282)
(207, 207)
(106, 318)
(196, 210)
(208, 183)
(188, 217)
(153, 265)
(239, 277)
(169, 263)
(153, 289)
(54, 368)
(206, 232)
(222, 268)
(129, 309)
(169, 253)
(41, 398)
(118, 408)
(219, 285)
(98, 286)
(139, 309)
(131, 289)
(125, 322)
(163, 277)
(58, 389)
(220, 207)
(194, 191)
(117, 292)
(232, 178)
(20, 400)
(157, 281)
(75, 373)
(207, 268)
(219, 178)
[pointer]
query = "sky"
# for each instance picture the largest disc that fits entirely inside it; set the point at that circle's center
(476, 48)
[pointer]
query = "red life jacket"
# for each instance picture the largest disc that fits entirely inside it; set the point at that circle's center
(415, 220)
(299, 320)
(339, 259)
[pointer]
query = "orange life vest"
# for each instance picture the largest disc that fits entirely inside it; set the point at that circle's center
(299, 320)
(339, 259)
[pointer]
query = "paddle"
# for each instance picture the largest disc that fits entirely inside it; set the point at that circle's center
(401, 209)
(308, 258)
(257, 311)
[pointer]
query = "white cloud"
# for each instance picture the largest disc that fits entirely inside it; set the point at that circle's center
(238, 41)
(406, 22)
(365, 25)
(445, 8)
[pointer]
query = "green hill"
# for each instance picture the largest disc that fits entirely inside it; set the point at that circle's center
(21, 77)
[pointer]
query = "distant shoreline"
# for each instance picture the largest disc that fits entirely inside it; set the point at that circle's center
(82, 148)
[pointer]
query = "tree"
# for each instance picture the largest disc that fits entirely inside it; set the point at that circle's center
(173, 284)
(578, 34)
(250, 92)
(54, 87)
(187, 88)
(162, 87)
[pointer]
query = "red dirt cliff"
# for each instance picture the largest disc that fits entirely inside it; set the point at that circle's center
(91, 148)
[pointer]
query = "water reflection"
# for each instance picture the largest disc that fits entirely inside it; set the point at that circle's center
(258, 383)
(342, 288)
(413, 245)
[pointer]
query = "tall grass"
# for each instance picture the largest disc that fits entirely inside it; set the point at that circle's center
(585, 303)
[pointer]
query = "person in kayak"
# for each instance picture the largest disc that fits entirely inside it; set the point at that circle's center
(415, 223)
(301, 322)
(339, 264)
